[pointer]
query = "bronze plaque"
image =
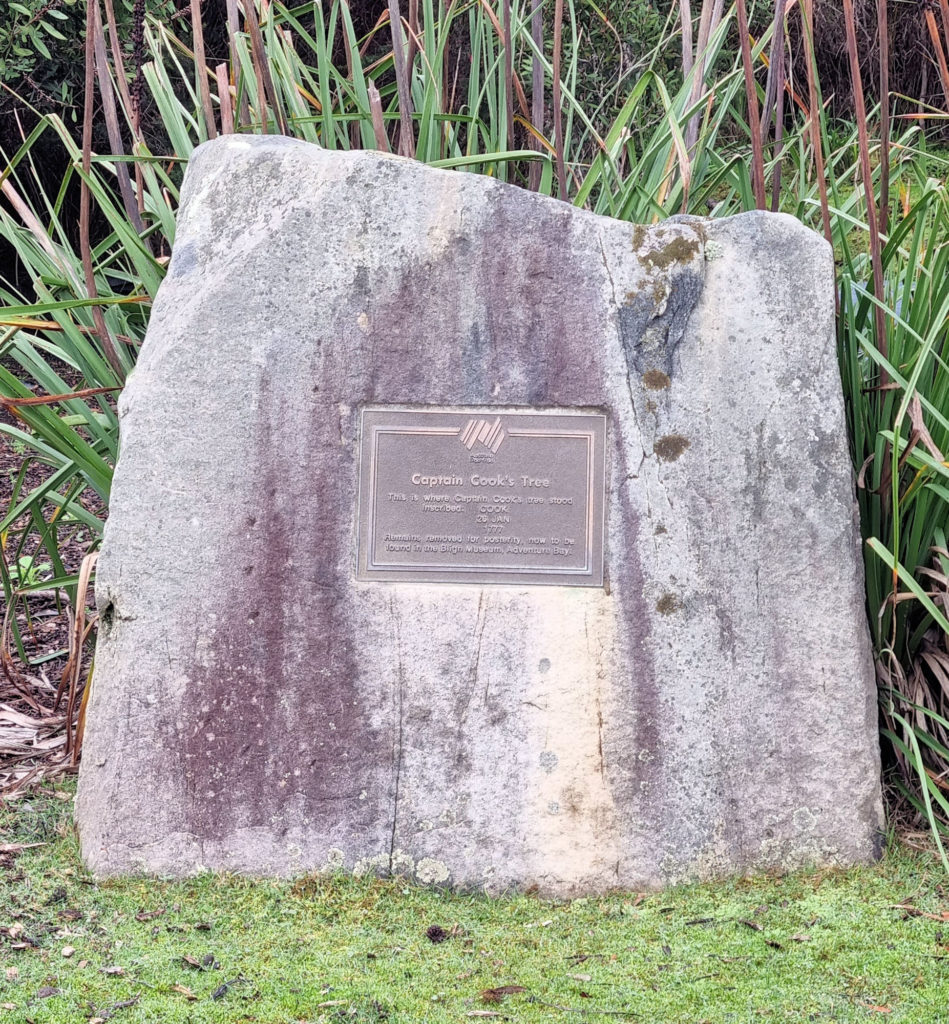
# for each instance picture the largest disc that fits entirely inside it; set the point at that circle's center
(482, 495)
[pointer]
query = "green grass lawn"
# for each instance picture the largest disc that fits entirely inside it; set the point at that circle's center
(825, 946)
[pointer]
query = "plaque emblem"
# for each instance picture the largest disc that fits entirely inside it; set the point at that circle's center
(520, 500)
(491, 435)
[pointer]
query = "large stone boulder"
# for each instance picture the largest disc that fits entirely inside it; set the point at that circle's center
(259, 705)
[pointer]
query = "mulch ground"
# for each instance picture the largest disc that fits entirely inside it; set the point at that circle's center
(37, 718)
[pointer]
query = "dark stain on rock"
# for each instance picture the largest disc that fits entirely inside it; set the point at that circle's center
(106, 620)
(660, 529)
(271, 729)
(361, 281)
(670, 447)
(184, 260)
(652, 323)
(668, 604)
(572, 801)
(758, 468)
(516, 331)
(475, 363)
(726, 632)
(650, 337)
(821, 460)
(637, 787)
(656, 380)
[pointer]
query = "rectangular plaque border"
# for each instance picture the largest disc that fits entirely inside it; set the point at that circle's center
(370, 571)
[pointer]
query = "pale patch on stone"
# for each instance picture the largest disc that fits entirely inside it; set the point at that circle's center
(548, 761)
(335, 861)
(374, 865)
(432, 872)
(573, 834)
(401, 863)
(805, 820)
(714, 250)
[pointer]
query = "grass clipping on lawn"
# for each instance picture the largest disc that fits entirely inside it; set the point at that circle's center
(855, 945)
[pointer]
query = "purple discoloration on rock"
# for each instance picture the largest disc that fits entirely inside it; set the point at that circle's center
(504, 327)
(257, 749)
(258, 709)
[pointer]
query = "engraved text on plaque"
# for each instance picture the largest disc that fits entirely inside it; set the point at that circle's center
(481, 495)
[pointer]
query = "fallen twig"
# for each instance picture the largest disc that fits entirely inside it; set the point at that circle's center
(582, 1009)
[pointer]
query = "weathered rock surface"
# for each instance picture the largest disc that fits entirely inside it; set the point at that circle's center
(255, 708)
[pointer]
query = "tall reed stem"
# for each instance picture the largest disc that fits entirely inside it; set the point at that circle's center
(754, 123)
(860, 111)
(883, 31)
(92, 18)
(558, 101)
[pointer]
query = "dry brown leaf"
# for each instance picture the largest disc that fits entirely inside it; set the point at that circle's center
(53, 399)
(184, 991)
(496, 995)
(861, 476)
(919, 429)
(149, 915)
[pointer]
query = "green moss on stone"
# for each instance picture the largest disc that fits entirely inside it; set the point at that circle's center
(671, 446)
(656, 380)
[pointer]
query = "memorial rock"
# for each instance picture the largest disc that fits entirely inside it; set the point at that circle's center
(464, 534)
